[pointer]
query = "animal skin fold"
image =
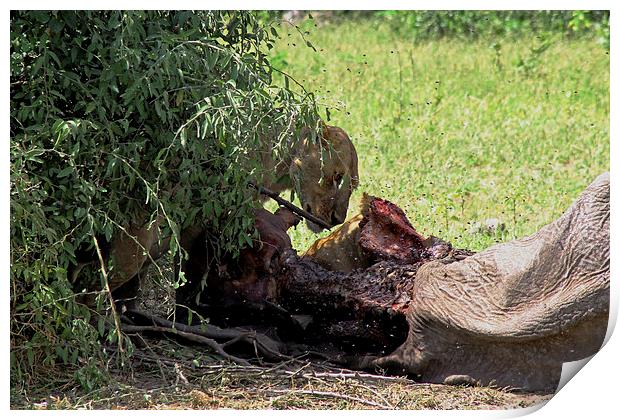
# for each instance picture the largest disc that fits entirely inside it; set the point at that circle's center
(514, 313)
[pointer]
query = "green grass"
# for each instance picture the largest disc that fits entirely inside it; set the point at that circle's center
(451, 135)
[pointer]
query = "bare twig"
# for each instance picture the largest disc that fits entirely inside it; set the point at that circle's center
(357, 375)
(214, 345)
(160, 359)
(326, 394)
(266, 346)
(117, 322)
(180, 375)
(378, 395)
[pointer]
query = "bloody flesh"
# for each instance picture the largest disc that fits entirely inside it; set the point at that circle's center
(359, 313)
(386, 234)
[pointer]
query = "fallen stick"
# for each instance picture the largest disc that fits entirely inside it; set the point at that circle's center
(214, 345)
(292, 207)
(266, 346)
(357, 376)
(326, 394)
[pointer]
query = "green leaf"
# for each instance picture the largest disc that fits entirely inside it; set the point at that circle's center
(63, 173)
(54, 57)
(179, 97)
(38, 64)
(183, 135)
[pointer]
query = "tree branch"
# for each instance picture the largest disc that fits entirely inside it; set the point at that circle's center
(276, 197)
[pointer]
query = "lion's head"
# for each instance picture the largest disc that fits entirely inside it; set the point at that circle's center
(324, 173)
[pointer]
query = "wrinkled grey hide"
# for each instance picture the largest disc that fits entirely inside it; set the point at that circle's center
(512, 314)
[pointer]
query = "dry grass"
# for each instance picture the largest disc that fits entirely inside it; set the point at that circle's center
(166, 375)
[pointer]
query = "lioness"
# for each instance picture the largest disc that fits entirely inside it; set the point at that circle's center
(324, 172)
(324, 186)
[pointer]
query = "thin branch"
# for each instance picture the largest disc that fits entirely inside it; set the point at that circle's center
(285, 74)
(327, 394)
(276, 197)
(117, 321)
(265, 345)
(214, 345)
(355, 375)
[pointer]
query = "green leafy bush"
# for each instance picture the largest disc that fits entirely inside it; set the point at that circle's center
(586, 21)
(120, 117)
(427, 24)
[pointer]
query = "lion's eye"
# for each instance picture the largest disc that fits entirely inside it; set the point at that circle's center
(338, 180)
